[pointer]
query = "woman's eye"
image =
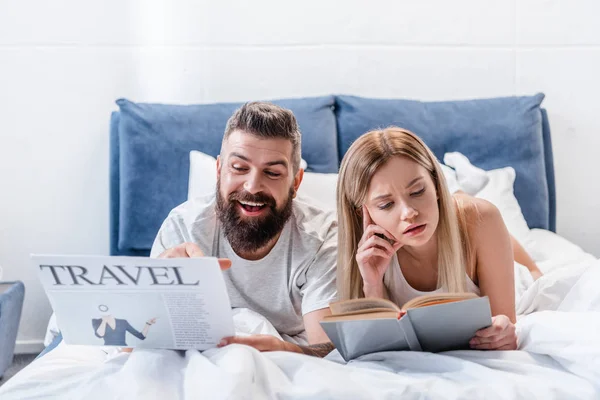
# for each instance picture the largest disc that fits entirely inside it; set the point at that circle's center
(385, 206)
(418, 193)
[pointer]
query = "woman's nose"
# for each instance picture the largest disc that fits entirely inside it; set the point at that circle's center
(408, 212)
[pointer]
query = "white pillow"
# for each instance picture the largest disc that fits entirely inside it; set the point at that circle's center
(319, 189)
(499, 191)
(316, 188)
(203, 174)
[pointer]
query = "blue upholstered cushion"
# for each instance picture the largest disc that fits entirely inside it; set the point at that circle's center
(492, 133)
(11, 305)
(158, 138)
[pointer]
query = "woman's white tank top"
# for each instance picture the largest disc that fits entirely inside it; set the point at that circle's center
(400, 290)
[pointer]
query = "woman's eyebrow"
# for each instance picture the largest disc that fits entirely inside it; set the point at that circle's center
(414, 181)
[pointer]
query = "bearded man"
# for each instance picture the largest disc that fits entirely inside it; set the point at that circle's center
(282, 250)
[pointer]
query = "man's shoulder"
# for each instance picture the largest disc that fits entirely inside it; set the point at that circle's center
(192, 221)
(194, 210)
(311, 220)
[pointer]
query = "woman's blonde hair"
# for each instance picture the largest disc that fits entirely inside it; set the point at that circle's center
(366, 155)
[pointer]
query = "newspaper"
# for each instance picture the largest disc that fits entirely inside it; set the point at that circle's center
(173, 303)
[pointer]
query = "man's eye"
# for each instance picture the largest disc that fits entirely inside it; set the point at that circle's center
(238, 168)
(273, 174)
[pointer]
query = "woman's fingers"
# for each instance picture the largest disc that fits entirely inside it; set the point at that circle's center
(511, 346)
(498, 326)
(371, 230)
(485, 340)
(500, 335)
(504, 343)
(371, 252)
(376, 241)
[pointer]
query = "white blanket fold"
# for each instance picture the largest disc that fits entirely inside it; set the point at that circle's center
(559, 358)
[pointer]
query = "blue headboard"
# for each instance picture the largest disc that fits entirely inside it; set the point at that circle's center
(150, 145)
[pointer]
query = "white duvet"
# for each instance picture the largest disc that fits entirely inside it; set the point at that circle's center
(559, 356)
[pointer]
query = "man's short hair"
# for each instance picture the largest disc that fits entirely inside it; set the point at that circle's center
(267, 120)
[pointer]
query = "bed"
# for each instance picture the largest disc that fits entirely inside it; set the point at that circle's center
(558, 315)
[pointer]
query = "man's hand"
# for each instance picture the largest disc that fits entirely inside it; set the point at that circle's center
(190, 250)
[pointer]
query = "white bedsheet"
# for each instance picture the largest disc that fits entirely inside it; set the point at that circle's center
(559, 357)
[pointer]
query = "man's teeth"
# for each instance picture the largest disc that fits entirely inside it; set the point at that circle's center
(251, 204)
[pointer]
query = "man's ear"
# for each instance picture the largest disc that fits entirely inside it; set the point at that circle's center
(218, 166)
(298, 180)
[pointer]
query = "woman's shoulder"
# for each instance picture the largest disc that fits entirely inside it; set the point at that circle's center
(480, 215)
(475, 209)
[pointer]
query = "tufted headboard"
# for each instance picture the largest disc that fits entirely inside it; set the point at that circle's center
(150, 145)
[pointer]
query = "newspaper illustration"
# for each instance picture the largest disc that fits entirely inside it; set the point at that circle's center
(173, 303)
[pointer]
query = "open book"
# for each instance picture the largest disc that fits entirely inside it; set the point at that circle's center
(172, 303)
(434, 322)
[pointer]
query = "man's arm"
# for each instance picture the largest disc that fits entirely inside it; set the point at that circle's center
(319, 344)
(318, 350)
(271, 343)
(314, 330)
(172, 233)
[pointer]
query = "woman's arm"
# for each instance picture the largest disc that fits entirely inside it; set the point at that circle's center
(520, 255)
(494, 259)
(495, 276)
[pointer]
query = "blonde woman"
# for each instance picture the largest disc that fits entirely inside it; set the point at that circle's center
(402, 234)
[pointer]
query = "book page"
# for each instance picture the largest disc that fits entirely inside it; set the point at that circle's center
(351, 306)
(171, 303)
(450, 326)
(437, 298)
(358, 315)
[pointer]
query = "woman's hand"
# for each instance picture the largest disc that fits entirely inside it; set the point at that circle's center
(501, 335)
(151, 321)
(373, 255)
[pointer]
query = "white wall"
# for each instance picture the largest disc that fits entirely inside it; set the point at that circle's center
(63, 63)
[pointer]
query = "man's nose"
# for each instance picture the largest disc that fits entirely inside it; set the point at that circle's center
(253, 183)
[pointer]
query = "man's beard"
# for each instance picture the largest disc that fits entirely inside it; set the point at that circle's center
(248, 234)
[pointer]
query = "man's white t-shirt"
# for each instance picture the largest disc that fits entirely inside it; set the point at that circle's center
(295, 278)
